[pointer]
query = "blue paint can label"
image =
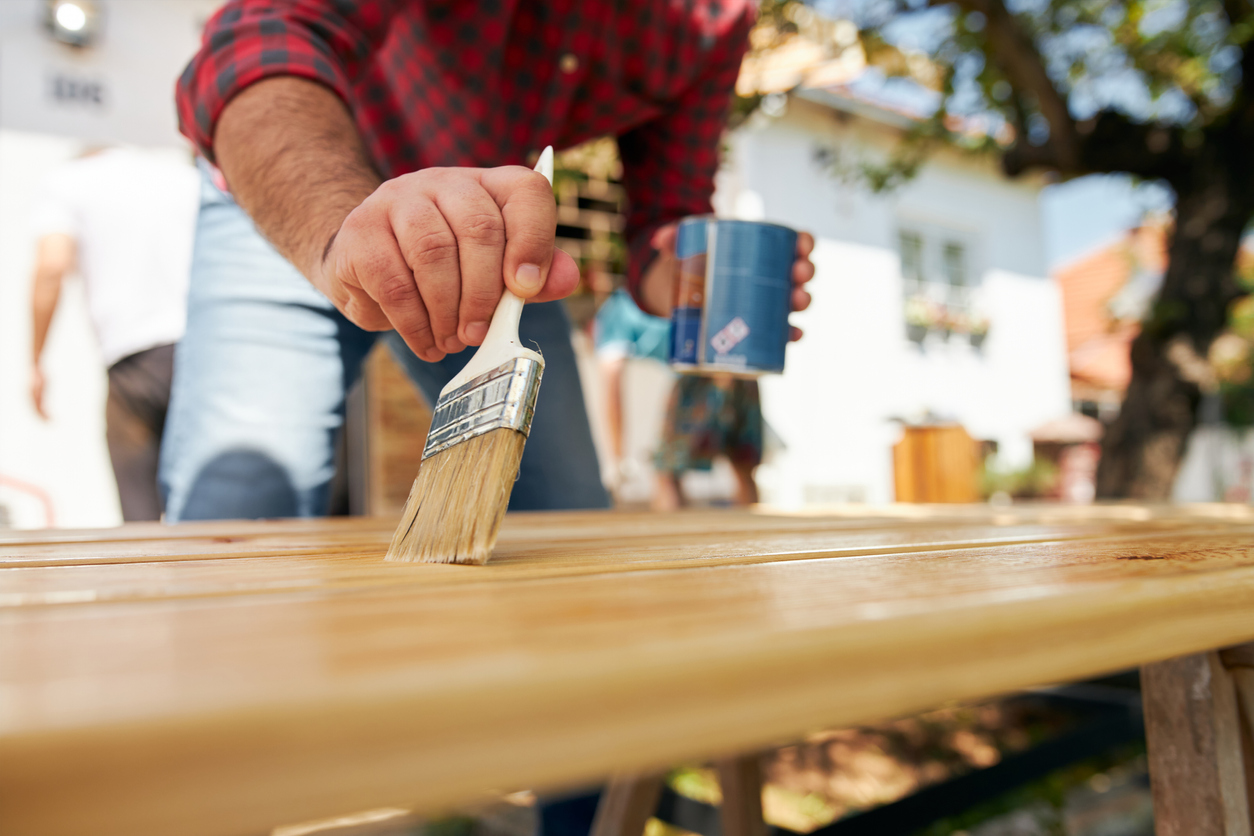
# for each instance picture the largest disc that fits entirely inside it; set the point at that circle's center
(732, 296)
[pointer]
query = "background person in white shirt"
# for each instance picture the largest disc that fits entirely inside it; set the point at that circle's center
(124, 220)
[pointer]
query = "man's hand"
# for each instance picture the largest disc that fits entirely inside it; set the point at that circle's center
(657, 284)
(428, 254)
(37, 390)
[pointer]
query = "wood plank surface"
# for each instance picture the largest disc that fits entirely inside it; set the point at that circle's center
(143, 542)
(756, 519)
(153, 685)
(269, 573)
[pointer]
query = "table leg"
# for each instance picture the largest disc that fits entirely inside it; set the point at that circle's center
(741, 781)
(1240, 664)
(626, 805)
(1194, 736)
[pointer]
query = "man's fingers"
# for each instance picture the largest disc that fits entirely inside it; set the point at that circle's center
(476, 221)
(428, 254)
(530, 215)
(665, 238)
(37, 399)
(429, 248)
(375, 278)
(363, 311)
(563, 278)
(802, 271)
(805, 244)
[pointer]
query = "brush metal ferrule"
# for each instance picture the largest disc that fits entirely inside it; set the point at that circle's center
(502, 398)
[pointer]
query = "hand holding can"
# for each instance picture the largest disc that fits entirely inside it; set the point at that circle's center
(732, 295)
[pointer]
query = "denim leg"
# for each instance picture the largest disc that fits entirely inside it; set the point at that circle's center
(559, 467)
(259, 380)
(568, 815)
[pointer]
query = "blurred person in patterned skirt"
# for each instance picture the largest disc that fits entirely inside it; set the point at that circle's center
(708, 416)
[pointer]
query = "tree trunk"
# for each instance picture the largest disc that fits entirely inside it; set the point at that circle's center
(1143, 447)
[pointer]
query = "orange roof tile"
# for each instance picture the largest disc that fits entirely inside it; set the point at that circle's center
(1097, 343)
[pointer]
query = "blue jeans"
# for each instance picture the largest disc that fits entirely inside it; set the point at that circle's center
(260, 379)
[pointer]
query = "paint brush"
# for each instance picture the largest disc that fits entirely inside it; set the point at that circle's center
(478, 429)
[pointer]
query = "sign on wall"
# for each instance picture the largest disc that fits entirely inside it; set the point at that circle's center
(116, 87)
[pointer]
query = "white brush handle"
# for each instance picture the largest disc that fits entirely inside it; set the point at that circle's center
(501, 343)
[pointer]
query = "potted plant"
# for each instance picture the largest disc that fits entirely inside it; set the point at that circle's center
(977, 329)
(921, 316)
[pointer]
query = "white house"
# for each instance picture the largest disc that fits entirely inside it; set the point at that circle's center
(959, 234)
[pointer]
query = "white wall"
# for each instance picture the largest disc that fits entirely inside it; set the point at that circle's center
(144, 45)
(855, 370)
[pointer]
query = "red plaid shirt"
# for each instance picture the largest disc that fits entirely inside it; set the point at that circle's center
(461, 83)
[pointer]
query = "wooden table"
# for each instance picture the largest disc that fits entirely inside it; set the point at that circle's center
(224, 678)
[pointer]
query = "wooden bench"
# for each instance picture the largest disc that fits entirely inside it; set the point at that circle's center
(224, 678)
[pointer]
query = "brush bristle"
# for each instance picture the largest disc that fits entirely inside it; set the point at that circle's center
(455, 507)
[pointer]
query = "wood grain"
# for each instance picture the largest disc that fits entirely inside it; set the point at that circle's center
(293, 676)
(756, 519)
(1193, 732)
(627, 803)
(740, 779)
(1239, 661)
(271, 571)
(936, 463)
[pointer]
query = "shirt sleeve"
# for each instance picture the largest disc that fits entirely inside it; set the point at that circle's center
(247, 40)
(55, 211)
(669, 162)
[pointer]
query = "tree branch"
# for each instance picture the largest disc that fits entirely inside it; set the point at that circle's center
(1021, 155)
(1237, 10)
(1240, 11)
(1109, 142)
(1112, 142)
(1017, 56)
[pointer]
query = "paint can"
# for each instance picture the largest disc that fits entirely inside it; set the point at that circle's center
(732, 296)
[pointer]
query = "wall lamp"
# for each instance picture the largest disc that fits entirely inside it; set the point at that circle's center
(73, 22)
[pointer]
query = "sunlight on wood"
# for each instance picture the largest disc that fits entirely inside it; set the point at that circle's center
(388, 814)
(233, 677)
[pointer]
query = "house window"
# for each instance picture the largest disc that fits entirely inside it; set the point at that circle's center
(954, 266)
(911, 260)
(935, 265)
(939, 283)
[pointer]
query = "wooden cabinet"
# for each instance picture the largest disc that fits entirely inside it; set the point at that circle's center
(936, 463)
(386, 427)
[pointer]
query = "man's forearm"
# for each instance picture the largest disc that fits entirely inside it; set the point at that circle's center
(44, 296)
(54, 258)
(295, 162)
